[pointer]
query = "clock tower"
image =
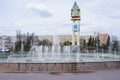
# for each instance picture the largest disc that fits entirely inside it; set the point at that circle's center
(75, 18)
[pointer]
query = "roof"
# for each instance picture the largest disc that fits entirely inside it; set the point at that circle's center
(75, 5)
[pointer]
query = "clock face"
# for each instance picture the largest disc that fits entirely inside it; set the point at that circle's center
(75, 12)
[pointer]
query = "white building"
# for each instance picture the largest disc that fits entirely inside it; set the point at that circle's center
(48, 37)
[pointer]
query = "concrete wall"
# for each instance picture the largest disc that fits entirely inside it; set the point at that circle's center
(58, 67)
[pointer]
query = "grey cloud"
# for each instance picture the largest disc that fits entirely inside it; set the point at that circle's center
(40, 9)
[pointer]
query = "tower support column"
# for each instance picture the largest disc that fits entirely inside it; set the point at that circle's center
(78, 38)
(78, 35)
(73, 38)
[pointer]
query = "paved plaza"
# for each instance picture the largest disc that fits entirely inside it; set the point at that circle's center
(98, 75)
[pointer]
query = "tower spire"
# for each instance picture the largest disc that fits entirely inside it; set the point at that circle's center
(75, 5)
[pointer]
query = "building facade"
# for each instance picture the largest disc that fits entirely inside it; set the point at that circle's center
(103, 37)
(48, 37)
(60, 39)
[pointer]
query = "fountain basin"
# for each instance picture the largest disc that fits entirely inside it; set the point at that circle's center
(58, 67)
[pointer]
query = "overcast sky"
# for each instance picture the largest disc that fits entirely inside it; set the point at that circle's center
(52, 17)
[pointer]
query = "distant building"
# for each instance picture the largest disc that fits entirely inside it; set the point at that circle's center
(48, 37)
(103, 37)
(7, 42)
(60, 39)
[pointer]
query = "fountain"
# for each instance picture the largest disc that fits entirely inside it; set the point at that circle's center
(58, 58)
(50, 54)
(61, 54)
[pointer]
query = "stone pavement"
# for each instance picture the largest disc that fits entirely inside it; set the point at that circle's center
(98, 75)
